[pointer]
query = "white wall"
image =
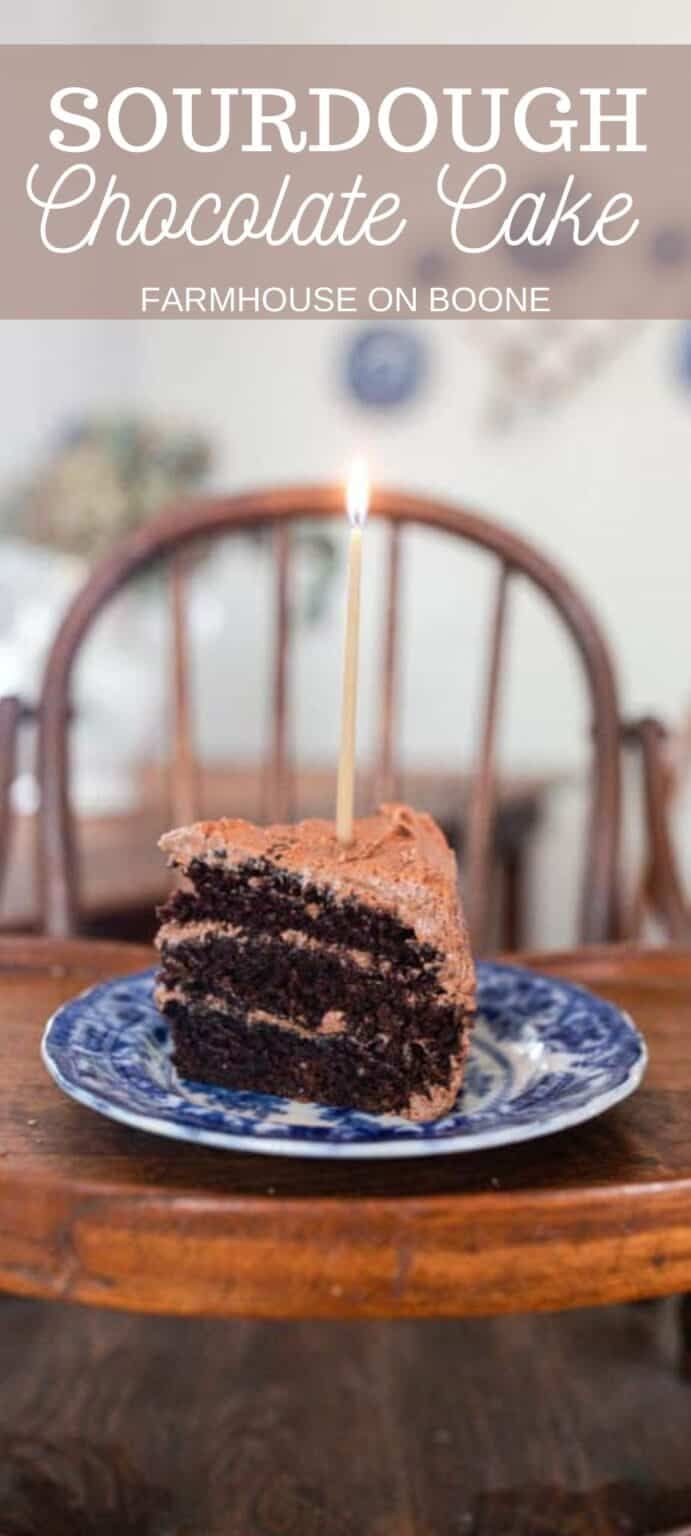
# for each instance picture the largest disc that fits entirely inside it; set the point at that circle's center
(52, 372)
(602, 481)
(316, 21)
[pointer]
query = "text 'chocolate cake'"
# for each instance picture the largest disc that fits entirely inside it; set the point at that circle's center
(292, 965)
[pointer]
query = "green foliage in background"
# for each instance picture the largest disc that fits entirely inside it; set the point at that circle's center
(106, 476)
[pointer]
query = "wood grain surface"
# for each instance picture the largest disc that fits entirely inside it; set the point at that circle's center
(96, 1212)
(572, 1424)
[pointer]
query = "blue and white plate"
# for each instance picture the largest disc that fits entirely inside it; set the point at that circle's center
(544, 1055)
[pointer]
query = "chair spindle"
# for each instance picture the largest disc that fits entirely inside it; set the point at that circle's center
(184, 772)
(278, 788)
(483, 792)
(10, 715)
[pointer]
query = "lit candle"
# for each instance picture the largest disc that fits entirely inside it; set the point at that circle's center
(357, 504)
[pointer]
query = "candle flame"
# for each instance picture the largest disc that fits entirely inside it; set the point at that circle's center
(357, 494)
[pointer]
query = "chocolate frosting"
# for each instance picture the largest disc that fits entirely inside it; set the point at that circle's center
(399, 859)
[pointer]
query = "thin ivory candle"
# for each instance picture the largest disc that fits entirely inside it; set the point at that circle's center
(357, 502)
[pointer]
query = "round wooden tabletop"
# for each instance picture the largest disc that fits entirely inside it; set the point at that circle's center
(92, 1211)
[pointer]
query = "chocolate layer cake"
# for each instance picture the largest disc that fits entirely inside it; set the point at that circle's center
(292, 965)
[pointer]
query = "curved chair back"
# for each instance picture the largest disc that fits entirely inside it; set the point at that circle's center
(170, 536)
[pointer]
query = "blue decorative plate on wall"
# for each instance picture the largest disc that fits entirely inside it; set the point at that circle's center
(386, 366)
(545, 1055)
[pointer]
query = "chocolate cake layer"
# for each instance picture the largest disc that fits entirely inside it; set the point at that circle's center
(303, 983)
(291, 965)
(224, 1048)
(256, 895)
(399, 866)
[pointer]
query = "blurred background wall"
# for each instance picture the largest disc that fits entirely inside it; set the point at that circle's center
(585, 448)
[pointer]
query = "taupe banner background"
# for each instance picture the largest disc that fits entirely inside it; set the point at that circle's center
(421, 272)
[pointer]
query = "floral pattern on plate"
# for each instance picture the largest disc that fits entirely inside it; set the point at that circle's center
(544, 1055)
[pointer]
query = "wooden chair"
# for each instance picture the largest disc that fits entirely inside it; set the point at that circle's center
(170, 537)
(660, 892)
(10, 716)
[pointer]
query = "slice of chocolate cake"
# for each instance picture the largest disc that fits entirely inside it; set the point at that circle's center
(292, 965)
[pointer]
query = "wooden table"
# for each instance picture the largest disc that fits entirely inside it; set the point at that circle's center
(95, 1212)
